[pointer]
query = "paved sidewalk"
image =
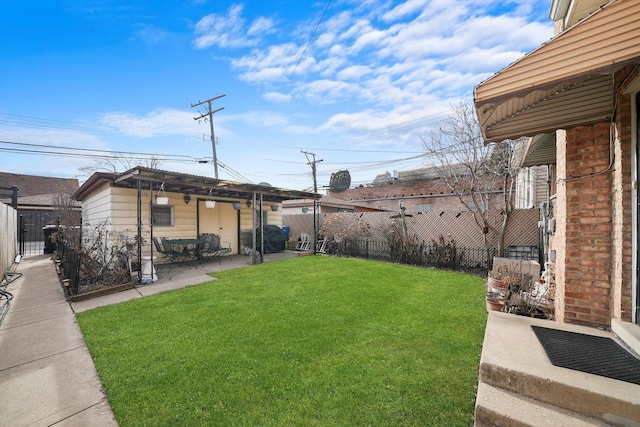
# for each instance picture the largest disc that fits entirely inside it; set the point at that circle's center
(47, 376)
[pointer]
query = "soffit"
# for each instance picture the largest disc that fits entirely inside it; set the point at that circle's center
(579, 9)
(540, 150)
(566, 82)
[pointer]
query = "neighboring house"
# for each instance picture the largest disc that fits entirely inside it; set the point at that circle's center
(33, 185)
(327, 204)
(421, 190)
(122, 201)
(36, 204)
(580, 94)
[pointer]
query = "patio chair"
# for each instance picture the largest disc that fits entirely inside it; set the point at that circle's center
(175, 256)
(214, 248)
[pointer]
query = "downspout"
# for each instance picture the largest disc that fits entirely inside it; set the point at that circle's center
(139, 211)
(315, 225)
(261, 232)
(153, 267)
(254, 254)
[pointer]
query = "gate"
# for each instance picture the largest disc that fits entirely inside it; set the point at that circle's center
(31, 231)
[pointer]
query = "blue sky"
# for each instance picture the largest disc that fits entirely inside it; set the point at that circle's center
(356, 82)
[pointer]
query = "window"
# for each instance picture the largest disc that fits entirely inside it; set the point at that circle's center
(425, 207)
(162, 216)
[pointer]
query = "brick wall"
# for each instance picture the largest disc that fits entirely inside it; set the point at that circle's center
(432, 192)
(589, 225)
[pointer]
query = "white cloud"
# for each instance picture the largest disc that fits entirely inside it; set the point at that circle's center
(149, 34)
(398, 60)
(353, 72)
(404, 9)
(277, 97)
(225, 31)
(156, 123)
(261, 25)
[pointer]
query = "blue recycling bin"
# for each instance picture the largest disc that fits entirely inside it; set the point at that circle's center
(285, 228)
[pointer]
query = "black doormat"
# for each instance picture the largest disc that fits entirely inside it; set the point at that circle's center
(591, 354)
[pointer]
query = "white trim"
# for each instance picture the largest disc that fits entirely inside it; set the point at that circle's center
(634, 197)
(633, 88)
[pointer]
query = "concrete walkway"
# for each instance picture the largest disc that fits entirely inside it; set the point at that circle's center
(47, 376)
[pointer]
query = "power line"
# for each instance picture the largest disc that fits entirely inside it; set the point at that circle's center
(311, 38)
(93, 150)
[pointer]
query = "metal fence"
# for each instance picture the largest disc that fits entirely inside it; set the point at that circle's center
(31, 231)
(470, 260)
(68, 266)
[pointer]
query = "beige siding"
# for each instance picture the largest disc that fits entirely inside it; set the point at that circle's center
(96, 208)
(609, 37)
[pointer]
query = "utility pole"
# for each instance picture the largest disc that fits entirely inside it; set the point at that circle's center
(313, 167)
(313, 164)
(210, 114)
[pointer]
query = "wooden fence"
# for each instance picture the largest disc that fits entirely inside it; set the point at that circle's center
(8, 235)
(522, 231)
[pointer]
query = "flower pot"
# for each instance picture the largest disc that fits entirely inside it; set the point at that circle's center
(496, 284)
(494, 305)
(210, 204)
(162, 200)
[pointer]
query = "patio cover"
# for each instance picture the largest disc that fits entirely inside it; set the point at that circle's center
(566, 82)
(195, 185)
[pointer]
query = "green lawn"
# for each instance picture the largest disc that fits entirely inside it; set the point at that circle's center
(309, 341)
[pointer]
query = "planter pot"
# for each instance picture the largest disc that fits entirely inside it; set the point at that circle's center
(496, 284)
(210, 204)
(162, 200)
(494, 305)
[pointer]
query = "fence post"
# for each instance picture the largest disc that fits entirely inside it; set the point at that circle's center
(22, 233)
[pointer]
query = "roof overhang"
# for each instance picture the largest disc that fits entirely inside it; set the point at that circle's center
(175, 182)
(566, 82)
(537, 151)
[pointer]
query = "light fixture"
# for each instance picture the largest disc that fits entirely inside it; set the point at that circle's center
(237, 205)
(187, 198)
(248, 203)
(274, 208)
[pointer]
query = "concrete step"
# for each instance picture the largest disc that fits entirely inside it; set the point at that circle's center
(514, 361)
(497, 407)
(629, 333)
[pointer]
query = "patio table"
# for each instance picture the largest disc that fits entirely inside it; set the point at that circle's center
(190, 248)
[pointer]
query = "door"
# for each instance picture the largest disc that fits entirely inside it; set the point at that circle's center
(222, 220)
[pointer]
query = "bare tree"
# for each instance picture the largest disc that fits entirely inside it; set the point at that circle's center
(481, 175)
(69, 219)
(119, 162)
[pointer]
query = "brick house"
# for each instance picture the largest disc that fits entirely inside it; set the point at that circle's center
(421, 190)
(579, 94)
(578, 99)
(325, 205)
